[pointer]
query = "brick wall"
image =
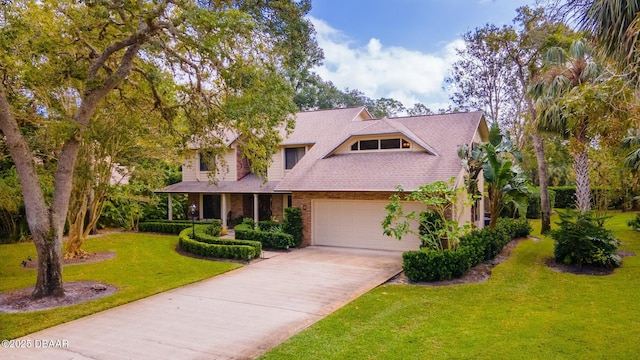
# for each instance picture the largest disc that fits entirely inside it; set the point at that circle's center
(277, 207)
(303, 201)
(235, 205)
(242, 164)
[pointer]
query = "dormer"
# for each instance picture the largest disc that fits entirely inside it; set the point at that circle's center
(384, 135)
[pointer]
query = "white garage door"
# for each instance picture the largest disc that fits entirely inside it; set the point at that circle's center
(357, 224)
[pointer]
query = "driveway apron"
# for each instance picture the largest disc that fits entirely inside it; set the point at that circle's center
(237, 315)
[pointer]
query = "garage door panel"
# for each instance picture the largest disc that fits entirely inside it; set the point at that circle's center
(357, 224)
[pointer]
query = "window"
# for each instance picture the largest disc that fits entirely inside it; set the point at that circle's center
(292, 156)
(204, 161)
(369, 145)
(381, 144)
(390, 144)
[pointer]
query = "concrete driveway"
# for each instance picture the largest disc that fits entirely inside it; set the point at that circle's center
(237, 315)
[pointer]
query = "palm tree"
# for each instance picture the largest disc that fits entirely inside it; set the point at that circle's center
(504, 179)
(563, 107)
(615, 26)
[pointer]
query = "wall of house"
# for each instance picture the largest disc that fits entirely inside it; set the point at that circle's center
(228, 170)
(189, 166)
(235, 205)
(275, 172)
(303, 201)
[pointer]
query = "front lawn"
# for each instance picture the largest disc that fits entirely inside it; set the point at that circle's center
(144, 265)
(524, 311)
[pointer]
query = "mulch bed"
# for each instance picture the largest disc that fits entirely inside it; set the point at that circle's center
(584, 269)
(74, 293)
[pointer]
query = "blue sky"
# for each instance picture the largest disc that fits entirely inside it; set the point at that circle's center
(401, 48)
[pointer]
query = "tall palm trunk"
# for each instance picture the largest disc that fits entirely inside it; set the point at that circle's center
(583, 186)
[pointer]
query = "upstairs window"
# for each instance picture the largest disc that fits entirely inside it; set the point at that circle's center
(380, 144)
(292, 156)
(204, 161)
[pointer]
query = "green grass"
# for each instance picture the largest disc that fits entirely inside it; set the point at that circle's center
(525, 311)
(144, 265)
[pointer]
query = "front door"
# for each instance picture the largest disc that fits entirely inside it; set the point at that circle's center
(264, 207)
(211, 207)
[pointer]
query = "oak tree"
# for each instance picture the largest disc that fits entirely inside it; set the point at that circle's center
(210, 68)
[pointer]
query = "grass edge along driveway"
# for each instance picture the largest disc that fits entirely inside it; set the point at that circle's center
(524, 311)
(145, 264)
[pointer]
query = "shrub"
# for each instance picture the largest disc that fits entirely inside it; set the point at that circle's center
(215, 228)
(269, 240)
(292, 224)
(431, 226)
(476, 246)
(240, 227)
(432, 265)
(176, 226)
(249, 222)
(565, 196)
(204, 244)
(164, 227)
(514, 228)
(239, 252)
(635, 223)
(267, 225)
(581, 241)
(534, 208)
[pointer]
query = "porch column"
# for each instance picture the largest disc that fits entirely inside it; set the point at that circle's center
(256, 214)
(200, 207)
(223, 210)
(170, 207)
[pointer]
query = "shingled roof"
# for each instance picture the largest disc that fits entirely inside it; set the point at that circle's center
(323, 170)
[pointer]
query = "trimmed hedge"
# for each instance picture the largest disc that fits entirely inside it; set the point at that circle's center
(269, 240)
(206, 245)
(474, 247)
(565, 196)
(617, 198)
(176, 226)
(267, 225)
(163, 227)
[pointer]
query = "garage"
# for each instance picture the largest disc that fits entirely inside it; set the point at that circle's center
(357, 224)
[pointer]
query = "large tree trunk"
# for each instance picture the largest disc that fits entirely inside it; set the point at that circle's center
(545, 204)
(49, 280)
(46, 237)
(583, 186)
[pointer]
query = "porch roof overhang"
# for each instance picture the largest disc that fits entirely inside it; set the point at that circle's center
(250, 184)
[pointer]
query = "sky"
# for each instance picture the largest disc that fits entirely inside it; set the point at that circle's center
(402, 49)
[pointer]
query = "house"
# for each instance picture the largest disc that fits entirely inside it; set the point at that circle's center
(340, 167)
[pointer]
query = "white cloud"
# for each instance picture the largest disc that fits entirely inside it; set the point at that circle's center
(385, 71)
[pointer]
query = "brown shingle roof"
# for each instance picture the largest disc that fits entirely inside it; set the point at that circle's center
(378, 171)
(250, 184)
